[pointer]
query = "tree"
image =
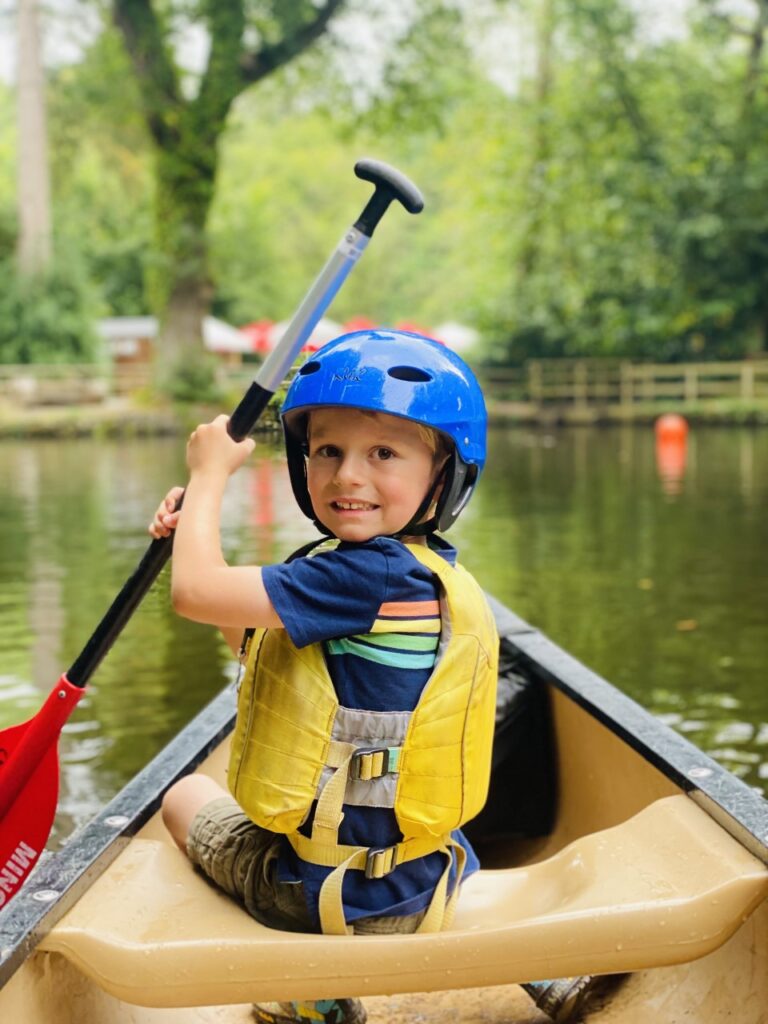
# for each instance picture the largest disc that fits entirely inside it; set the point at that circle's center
(244, 47)
(636, 187)
(34, 190)
(46, 309)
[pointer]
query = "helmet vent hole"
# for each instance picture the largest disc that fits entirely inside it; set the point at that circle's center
(413, 373)
(311, 367)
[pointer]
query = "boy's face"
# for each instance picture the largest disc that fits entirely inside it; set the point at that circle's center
(367, 473)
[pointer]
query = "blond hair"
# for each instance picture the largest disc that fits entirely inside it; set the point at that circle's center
(437, 442)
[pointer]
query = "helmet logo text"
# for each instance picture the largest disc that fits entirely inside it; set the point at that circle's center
(349, 375)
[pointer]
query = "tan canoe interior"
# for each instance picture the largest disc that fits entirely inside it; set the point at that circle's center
(635, 878)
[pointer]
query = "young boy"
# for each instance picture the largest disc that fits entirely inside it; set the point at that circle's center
(385, 437)
(366, 711)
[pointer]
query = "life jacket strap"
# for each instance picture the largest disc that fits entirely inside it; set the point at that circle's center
(377, 864)
(328, 811)
(379, 861)
(374, 762)
(350, 762)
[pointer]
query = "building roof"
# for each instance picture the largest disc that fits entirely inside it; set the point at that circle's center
(218, 336)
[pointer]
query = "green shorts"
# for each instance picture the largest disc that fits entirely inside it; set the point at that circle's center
(240, 858)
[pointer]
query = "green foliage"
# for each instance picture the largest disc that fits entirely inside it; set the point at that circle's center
(192, 380)
(101, 176)
(643, 227)
(287, 191)
(612, 203)
(48, 318)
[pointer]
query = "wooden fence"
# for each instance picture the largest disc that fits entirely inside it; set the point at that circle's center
(598, 382)
(67, 383)
(539, 383)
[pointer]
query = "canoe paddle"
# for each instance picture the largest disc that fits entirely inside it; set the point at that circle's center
(29, 765)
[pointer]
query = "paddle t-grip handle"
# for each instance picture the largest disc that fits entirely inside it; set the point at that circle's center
(390, 184)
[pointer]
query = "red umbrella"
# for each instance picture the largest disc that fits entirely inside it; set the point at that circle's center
(325, 330)
(360, 323)
(414, 328)
(260, 333)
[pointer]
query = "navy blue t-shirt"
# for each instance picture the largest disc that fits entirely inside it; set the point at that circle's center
(375, 609)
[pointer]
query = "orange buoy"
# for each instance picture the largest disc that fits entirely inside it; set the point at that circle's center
(671, 426)
(671, 451)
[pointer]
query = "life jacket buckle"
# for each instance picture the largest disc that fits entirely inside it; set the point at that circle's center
(371, 763)
(380, 862)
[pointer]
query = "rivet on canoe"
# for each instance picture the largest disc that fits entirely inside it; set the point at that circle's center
(116, 820)
(699, 772)
(46, 895)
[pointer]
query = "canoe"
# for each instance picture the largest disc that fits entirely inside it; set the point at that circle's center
(609, 845)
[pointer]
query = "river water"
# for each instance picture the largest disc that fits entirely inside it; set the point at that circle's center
(648, 564)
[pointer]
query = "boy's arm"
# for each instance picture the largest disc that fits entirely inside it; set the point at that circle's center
(163, 524)
(204, 587)
(233, 636)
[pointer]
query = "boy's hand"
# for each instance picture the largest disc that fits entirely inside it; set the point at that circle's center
(211, 449)
(165, 519)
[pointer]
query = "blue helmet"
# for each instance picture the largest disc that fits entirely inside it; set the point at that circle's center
(402, 374)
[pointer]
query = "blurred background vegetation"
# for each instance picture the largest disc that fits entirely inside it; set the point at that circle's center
(596, 171)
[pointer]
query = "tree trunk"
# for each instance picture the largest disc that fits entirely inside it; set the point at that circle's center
(754, 60)
(34, 199)
(180, 284)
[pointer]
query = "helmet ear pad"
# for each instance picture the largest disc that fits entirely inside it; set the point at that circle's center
(459, 479)
(297, 470)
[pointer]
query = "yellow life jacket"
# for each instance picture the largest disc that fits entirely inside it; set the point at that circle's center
(293, 743)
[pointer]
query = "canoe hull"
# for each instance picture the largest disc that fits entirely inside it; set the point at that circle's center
(615, 766)
(729, 984)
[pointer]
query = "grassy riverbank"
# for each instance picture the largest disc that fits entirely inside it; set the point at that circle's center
(111, 418)
(713, 412)
(106, 419)
(123, 418)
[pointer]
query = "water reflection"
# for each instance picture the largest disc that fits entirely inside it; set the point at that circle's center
(662, 592)
(665, 595)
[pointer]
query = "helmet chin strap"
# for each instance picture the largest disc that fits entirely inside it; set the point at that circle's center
(418, 526)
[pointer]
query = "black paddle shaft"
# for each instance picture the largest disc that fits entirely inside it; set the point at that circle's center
(389, 184)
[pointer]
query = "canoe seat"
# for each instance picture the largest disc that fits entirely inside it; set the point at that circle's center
(667, 886)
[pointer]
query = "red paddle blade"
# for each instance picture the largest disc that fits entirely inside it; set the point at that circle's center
(27, 824)
(29, 786)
